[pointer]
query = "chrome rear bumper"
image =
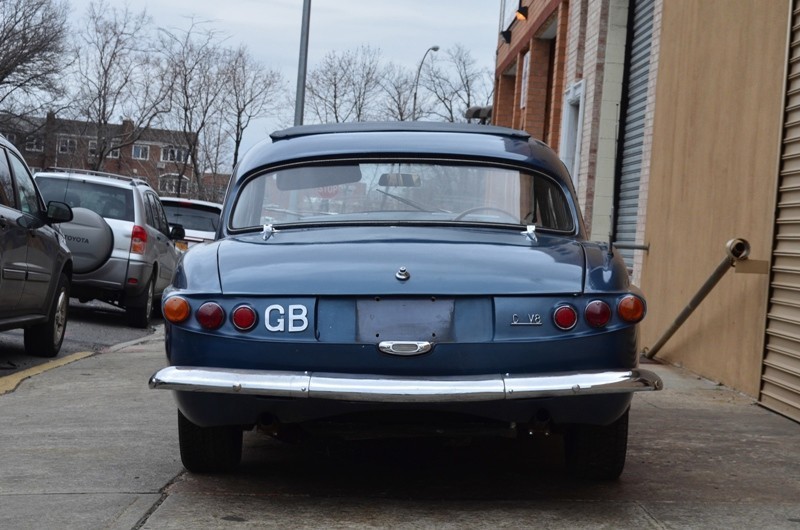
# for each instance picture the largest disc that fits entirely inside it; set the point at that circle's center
(378, 388)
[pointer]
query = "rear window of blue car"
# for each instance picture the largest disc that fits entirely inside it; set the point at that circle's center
(402, 191)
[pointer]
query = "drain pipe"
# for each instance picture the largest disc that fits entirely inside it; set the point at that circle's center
(735, 250)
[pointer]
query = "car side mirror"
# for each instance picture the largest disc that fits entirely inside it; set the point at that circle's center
(177, 232)
(58, 212)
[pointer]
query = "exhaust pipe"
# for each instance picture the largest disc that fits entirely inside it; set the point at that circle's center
(735, 250)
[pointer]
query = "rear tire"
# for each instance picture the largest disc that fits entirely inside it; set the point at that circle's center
(597, 451)
(141, 307)
(44, 340)
(209, 449)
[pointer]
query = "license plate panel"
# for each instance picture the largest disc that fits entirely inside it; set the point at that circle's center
(424, 319)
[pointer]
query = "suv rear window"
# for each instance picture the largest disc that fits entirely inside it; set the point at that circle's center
(108, 201)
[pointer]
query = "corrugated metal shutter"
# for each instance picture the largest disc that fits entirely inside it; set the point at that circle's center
(780, 382)
(632, 141)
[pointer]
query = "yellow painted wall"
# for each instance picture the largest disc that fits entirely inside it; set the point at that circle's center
(714, 169)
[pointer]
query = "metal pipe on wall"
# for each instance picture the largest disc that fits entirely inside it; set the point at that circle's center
(735, 250)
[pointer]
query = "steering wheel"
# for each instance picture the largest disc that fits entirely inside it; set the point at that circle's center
(470, 211)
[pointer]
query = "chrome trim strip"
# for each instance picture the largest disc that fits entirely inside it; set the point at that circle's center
(377, 388)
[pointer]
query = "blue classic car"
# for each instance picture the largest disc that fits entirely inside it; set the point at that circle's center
(399, 278)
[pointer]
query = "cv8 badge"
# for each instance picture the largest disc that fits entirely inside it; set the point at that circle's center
(529, 319)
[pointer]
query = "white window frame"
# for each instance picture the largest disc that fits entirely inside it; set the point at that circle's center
(34, 144)
(138, 149)
(523, 89)
(569, 149)
(67, 146)
(171, 153)
(166, 184)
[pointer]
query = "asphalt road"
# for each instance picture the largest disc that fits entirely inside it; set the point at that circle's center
(92, 326)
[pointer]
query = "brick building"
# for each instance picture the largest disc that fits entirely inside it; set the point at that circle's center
(678, 121)
(159, 156)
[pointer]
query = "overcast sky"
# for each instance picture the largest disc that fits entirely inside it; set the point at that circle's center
(401, 29)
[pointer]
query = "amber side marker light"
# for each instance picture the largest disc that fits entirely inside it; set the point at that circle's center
(176, 309)
(631, 308)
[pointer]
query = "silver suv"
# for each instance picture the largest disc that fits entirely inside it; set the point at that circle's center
(122, 246)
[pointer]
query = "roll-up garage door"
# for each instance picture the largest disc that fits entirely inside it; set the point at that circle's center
(634, 107)
(780, 382)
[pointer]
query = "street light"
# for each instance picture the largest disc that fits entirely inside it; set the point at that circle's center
(416, 81)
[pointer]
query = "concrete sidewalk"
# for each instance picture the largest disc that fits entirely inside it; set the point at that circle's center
(88, 445)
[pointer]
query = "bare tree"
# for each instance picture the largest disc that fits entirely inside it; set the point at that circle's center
(252, 92)
(457, 84)
(195, 58)
(397, 84)
(344, 87)
(32, 54)
(117, 75)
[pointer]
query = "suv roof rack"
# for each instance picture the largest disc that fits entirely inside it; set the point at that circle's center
(133, 180)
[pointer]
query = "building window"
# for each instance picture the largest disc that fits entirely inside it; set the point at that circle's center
(114, 153)
(11, 137)
(34, 144)
(168, 184)
(572, 129)
(67, 145)
(140, 152)
(174, 154)
(523, 91)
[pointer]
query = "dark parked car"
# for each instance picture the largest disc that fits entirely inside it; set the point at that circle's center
(403, 278)
(35, 263)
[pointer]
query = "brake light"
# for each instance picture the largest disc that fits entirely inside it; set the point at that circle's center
(565, 317)
(244, 318)
(176, 309)
(210, 315)
(631, 308)
(597, 313)
(138, 240)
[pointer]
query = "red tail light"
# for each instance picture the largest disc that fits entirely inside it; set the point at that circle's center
(244, 318)
(565, 317)
(138, 240)
(597, 313)
(210, 315)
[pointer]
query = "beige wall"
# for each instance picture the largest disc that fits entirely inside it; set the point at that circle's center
(714, 167)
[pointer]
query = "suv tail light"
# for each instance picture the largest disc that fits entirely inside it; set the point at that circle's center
(138, 240)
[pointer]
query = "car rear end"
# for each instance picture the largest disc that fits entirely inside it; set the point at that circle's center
(107, 236)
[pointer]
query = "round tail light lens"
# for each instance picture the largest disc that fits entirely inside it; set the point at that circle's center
(631, 308)
(176, 309)
(597, 313)
(210, 315)
(565, 317)
(244, 318)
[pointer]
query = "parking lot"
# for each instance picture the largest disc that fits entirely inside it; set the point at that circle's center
(88, 445)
